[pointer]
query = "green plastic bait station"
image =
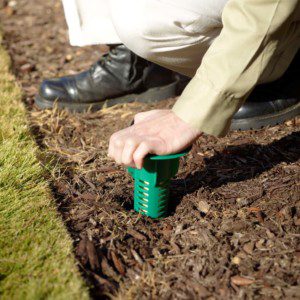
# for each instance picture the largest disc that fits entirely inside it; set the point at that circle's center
(152, 184)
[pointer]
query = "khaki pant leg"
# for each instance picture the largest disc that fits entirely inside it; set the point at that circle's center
(89, 22)
(168, 32)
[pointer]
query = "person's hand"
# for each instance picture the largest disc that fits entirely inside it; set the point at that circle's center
(158, 132)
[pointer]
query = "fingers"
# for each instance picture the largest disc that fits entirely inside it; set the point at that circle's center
(116, 143)
(129, 148)
(140, 153)
(147, 147)
(131, 151)
(122, 145)
(111, 145)
(130, 145)
(116, 149)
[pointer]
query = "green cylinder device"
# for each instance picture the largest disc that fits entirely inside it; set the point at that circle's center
(152, 184)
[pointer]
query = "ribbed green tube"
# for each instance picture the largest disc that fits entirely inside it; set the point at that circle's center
(152, 184)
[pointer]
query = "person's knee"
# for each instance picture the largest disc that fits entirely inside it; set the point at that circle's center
(134, 30)
(137, 37)
(165, 40)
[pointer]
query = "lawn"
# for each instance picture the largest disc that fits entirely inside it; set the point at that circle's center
(36, 259)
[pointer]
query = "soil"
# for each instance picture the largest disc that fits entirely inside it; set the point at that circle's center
(234, 227)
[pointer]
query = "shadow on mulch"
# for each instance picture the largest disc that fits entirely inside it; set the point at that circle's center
(225, 167)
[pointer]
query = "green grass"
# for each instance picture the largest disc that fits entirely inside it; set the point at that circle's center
(36, 259)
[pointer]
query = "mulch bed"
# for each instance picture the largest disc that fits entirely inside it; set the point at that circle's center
(234, 227)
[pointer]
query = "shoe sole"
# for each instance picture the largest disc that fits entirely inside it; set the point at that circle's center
(266, 120)
(152, 95)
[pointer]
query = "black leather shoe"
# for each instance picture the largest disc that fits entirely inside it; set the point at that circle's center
(119, 77)
(271, 103)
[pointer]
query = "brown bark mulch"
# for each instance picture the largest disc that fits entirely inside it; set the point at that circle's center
(234, 227)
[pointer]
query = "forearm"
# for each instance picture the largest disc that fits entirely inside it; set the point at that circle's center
(254, 32)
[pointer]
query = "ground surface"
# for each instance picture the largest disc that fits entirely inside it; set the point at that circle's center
(234, 228)
(36, 251)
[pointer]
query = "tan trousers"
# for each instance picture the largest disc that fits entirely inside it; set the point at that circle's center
(89, 22)
(173, 33)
